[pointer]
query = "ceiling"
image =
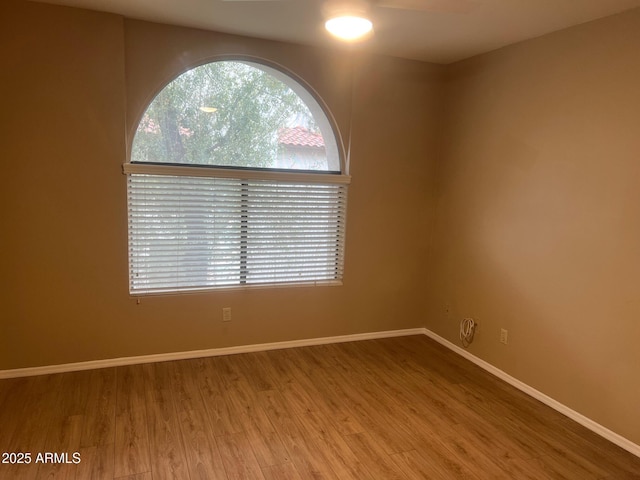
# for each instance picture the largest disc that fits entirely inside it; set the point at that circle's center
(443, 33)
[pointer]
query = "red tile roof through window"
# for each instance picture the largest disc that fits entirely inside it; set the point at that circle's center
(300, 137)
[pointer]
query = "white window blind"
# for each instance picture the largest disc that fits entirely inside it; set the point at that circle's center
(213, 230)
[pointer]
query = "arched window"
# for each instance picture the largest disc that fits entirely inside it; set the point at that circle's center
(235, 179)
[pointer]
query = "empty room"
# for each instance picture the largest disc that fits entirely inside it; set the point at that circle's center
(239, 242)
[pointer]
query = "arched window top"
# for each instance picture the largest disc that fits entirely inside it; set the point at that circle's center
(237, 114)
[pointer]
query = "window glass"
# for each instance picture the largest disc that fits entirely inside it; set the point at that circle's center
(265, 216)
(236, 114)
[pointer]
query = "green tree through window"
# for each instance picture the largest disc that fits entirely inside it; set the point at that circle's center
(222, 113)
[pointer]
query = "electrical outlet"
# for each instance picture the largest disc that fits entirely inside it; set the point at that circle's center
(504, 336)
(226, 314)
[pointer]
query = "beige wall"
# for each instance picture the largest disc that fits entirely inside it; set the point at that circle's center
(79, 81)
(538, 215)
(63, 218)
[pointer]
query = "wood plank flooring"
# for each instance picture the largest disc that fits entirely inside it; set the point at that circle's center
(401, 408)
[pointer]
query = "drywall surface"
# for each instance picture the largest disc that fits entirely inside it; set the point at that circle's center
(62, 218)
(538, 215)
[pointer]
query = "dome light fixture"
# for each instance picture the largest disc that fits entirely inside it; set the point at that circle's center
(349, 27)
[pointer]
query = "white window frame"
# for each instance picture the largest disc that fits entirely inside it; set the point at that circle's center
(335, 182)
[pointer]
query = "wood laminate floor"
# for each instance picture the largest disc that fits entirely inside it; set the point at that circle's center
(401, 408)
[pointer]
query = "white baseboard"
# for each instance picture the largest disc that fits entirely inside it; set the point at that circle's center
(212, 352)
(163, 357)
(595, 427)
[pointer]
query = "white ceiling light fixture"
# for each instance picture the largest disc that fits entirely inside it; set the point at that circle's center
(349, 27)
(348, 20)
